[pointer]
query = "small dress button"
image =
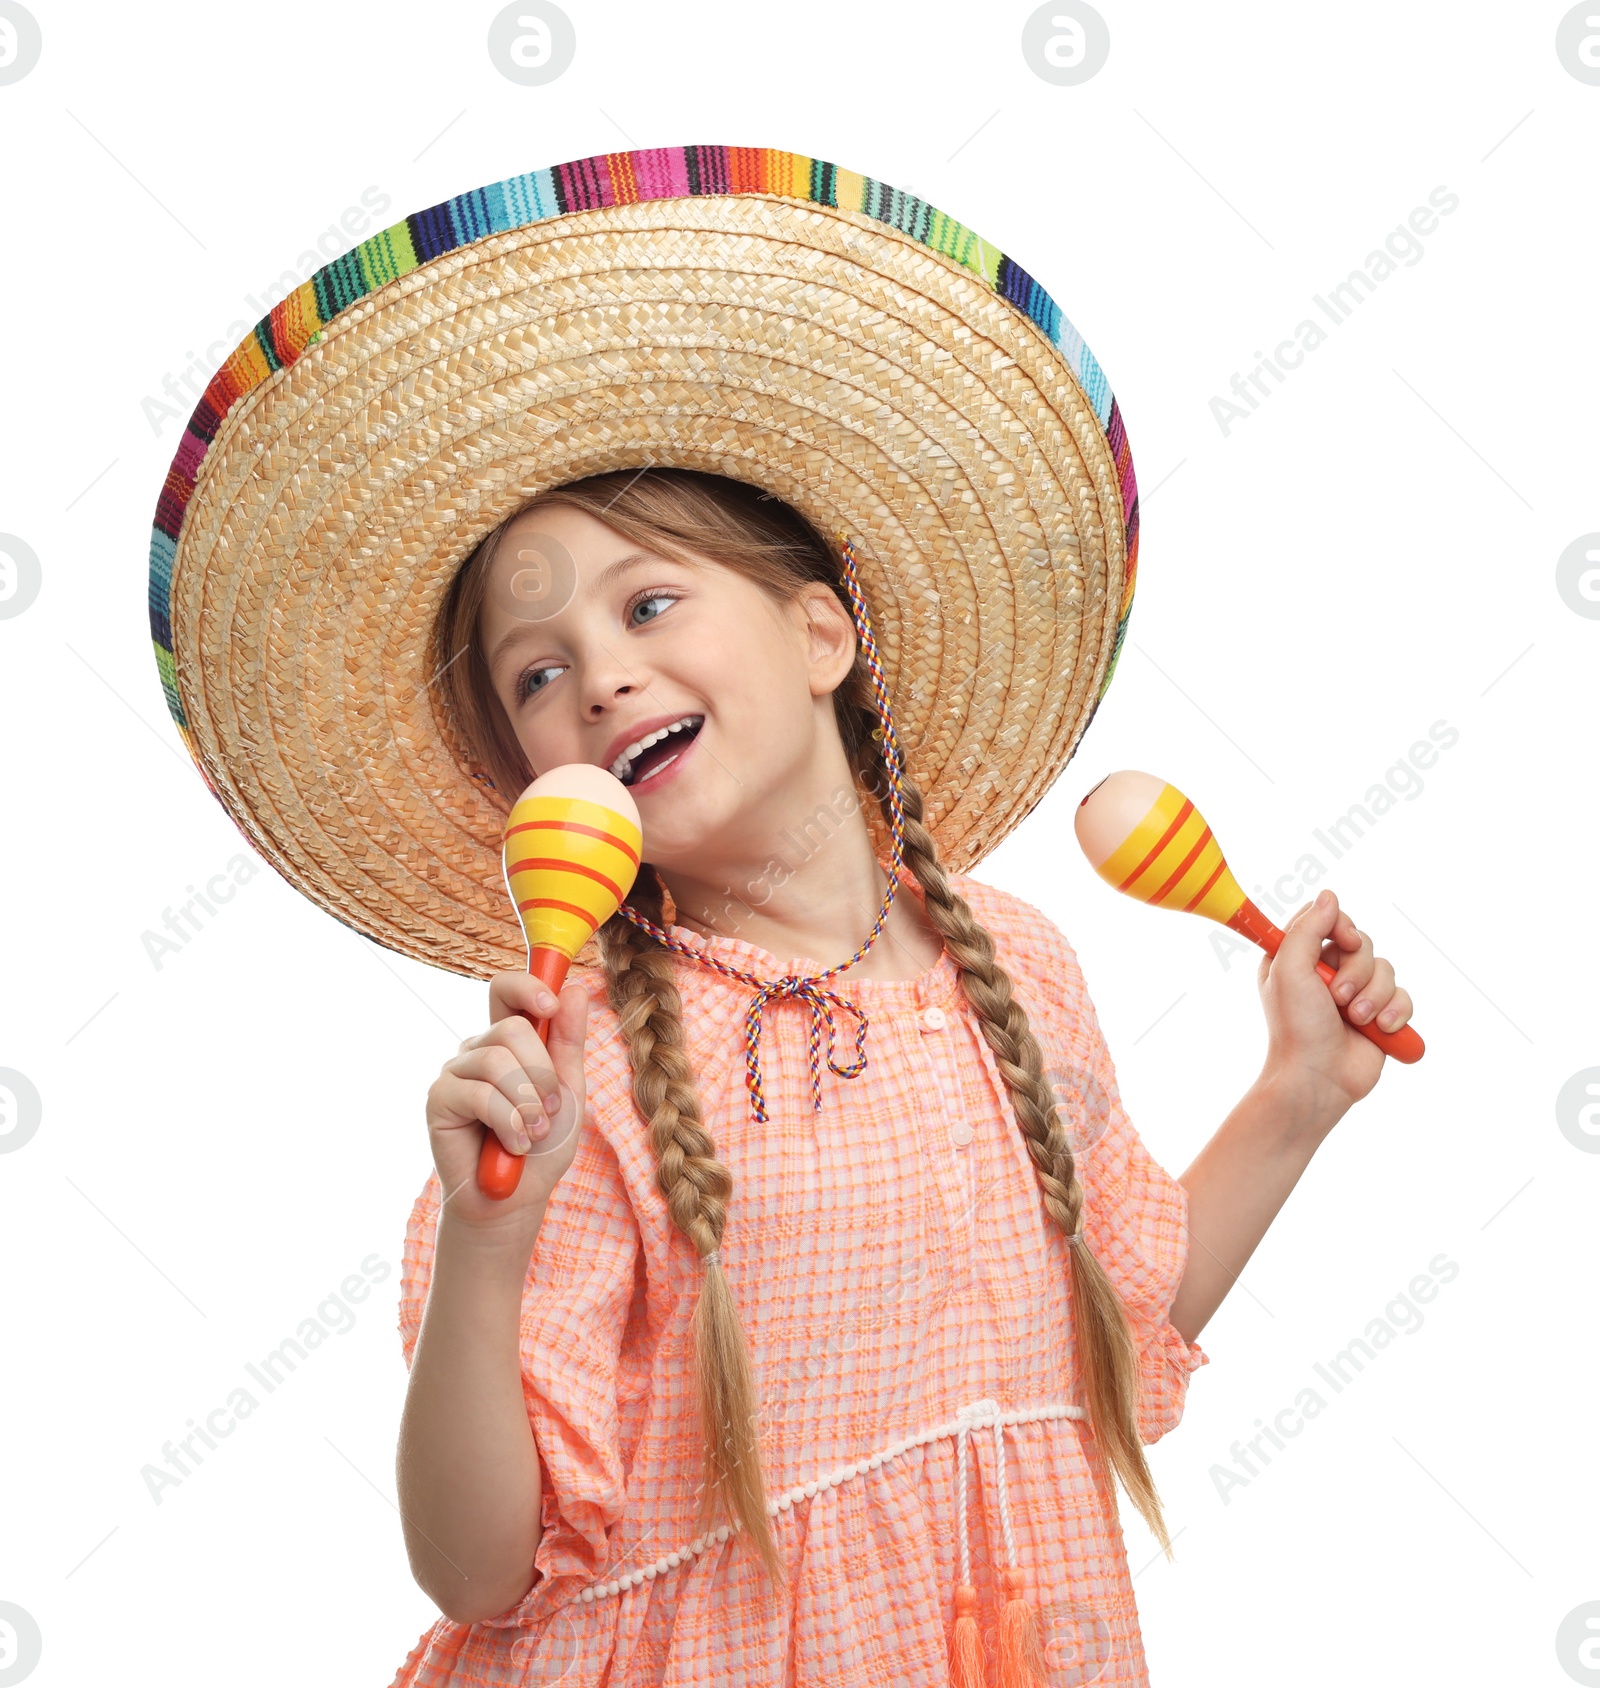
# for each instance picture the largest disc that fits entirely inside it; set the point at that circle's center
(962, 1132)
(933, 1019)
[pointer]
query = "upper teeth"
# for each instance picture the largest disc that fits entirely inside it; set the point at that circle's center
(639, 746)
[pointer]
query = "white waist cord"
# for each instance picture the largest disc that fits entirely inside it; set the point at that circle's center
(972, 1417)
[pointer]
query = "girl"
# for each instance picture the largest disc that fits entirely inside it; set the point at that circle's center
(969, 1234)
(839, 1291)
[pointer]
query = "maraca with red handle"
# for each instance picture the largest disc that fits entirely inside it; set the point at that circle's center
(1146, 838)
(572, 852)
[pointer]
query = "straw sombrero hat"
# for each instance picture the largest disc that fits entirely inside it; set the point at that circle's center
(748, 312)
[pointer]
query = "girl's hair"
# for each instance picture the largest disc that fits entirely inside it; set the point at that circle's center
(756, 534)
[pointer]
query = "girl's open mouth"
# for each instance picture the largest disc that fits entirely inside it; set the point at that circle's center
(663, 759)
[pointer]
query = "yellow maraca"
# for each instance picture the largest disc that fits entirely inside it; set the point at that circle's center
(1146, 838)
(572, 852)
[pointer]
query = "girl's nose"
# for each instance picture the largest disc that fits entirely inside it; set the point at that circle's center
(602, 695)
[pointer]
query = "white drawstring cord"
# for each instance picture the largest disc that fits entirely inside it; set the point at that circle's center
(972, 1417)
(1000, 1485)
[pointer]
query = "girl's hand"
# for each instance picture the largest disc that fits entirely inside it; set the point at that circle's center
(1310, 1048)
(500, 1079)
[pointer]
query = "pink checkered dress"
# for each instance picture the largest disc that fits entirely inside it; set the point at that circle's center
(905, 1299)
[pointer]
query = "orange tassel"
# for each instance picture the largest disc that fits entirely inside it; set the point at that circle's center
(1021, 1655)
(966, 1645)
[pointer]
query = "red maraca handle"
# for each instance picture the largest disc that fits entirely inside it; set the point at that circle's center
(1402, 1044)
(499, 1172)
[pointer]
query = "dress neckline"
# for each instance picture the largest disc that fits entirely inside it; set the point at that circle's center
(939, 982)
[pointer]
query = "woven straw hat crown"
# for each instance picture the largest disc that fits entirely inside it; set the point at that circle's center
(746, 312)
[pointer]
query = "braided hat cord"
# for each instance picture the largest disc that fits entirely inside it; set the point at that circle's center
(808, 988)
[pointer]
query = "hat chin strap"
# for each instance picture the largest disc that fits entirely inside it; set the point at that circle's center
(808, 988)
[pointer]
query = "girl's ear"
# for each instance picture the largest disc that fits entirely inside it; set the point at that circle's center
(831, 638)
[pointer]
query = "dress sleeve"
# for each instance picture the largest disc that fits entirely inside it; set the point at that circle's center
(575, 1307)
(1135, 1216)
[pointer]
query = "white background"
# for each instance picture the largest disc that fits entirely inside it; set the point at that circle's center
(228, 1136)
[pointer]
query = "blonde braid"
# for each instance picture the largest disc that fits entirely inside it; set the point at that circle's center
(696, 1187)
(1107, 1358)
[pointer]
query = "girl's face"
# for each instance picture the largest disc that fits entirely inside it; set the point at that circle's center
(593, 640)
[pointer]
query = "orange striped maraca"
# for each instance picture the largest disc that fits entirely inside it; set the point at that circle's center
(1145, 837)
(572, 853)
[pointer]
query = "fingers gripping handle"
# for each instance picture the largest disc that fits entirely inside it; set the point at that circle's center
(1402, 1043)
(499, 1172)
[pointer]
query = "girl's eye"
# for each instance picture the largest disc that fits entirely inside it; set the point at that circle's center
(525, 688)
(651, 598)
